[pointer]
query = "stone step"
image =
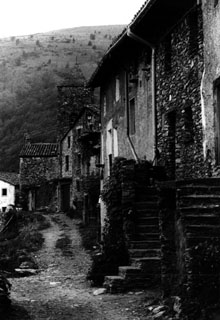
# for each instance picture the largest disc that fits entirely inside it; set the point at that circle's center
(147, 264)
(147, 220)
(200, 209)
(203, 199)
(147, 236)
(193, 240)
(198, 219)
(198, 189)
(146, 205)
(203, 230)
(141, 253)
(147, 244)
(144, 228)
(114, 284)
(124, 271)
(147, 213)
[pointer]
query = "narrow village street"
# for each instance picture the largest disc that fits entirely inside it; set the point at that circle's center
(60, 289)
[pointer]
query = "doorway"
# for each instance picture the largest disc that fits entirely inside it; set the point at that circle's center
(65, 197)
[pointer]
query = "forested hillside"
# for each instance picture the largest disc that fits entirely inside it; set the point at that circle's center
(30, 69)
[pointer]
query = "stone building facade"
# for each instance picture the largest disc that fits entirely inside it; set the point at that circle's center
(180, 43)
(66, 172)
(210, 84)
(179, 69)
(39, 173)
(86, 157)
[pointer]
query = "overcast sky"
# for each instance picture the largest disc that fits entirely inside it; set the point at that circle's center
(21, 17)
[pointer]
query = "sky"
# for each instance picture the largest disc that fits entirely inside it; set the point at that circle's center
(24, 17)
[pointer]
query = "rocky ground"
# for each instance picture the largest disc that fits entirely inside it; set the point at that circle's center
(60, 290)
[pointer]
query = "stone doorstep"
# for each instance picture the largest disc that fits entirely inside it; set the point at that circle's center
(147, 263)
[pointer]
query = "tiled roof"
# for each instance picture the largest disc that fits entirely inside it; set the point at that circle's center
(118, 39)
(39, 150)
(10, 177)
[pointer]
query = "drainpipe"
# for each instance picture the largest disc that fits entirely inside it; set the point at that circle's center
(133, 36)
(128, 124)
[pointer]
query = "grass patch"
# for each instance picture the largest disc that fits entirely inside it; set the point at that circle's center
(27, 240)
(89, 235)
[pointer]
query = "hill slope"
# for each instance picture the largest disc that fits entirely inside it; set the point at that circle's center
(30, 69)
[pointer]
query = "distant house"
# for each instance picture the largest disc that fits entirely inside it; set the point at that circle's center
(9, 183)
(86, 157)
(79, 154)
(66, 169)
(39, 172)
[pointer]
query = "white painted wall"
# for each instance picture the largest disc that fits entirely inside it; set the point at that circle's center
(10, 197)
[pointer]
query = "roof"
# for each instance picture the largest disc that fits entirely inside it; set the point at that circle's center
(154, 19)
(10, 177)
(39, 150)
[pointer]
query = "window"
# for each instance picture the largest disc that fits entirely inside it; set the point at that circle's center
(79, 131)
(4, 192)
(110, 163)
(67, 163)
(132, 116)
(167, 54)
(193, 32)
(78, 185)
(69, 141)
(217, 120)
(188, 123)
(215, 3)
(117, 89)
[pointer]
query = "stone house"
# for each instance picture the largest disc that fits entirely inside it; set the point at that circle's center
(66, 172)
(85, 157)
(9, 184)
(159, 91)
(39, 173)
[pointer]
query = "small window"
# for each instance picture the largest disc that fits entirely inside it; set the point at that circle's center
(4, 192)
(79, 131)
(110, 163)
(132, 116)
(117, 89)
(4, 209)
(215, 3)
(67, 163)
(69, 141)
(188, 123)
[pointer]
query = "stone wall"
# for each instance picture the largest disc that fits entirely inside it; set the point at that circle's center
(211, 18)
(36, 170)
(66, 150)
(179, 68)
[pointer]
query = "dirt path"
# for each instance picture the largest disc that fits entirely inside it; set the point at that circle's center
(60, 290)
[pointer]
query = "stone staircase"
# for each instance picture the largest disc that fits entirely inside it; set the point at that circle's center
(199, 209)
(144, 246)
(198, 204)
